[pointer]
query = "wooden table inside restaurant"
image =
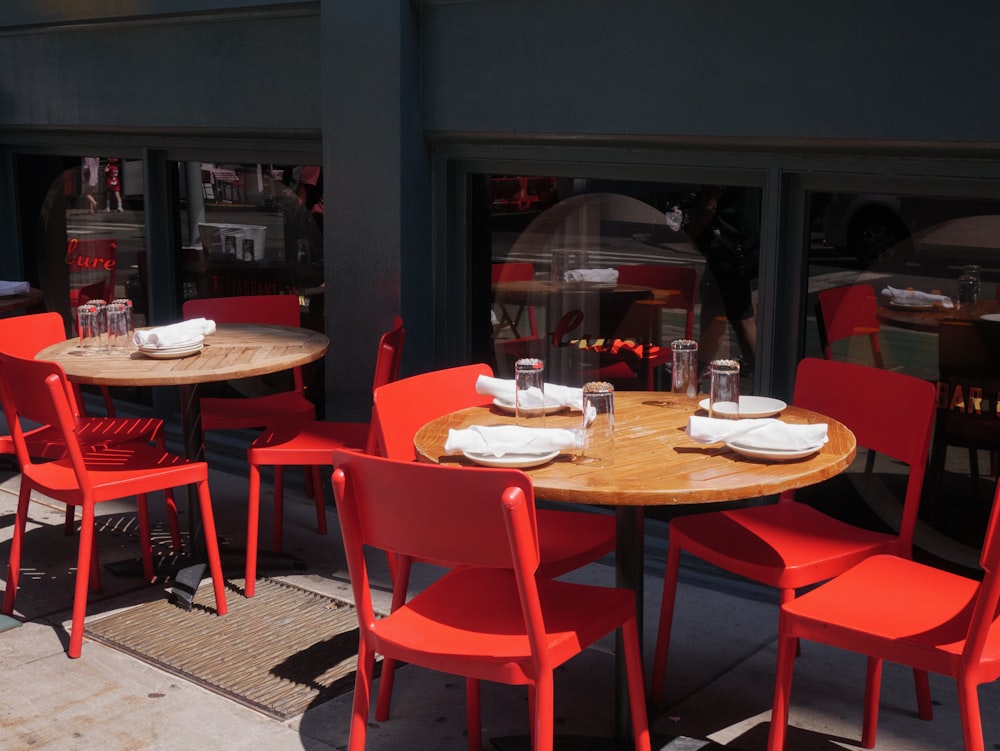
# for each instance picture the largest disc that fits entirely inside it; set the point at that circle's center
(21, 301)
(655, 464)
(928, 318)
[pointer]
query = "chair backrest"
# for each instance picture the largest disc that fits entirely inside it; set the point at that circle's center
(987, 601)
(280, 310)
(514, 271)
(390, 353)
(968, 384)
(449, 515)
(404, 406)
(683, 280)
(888, 412)
(842, 312)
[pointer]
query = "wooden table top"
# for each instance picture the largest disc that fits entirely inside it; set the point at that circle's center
(929, 320)
(17, 302)
(655, 462)
(233, 351)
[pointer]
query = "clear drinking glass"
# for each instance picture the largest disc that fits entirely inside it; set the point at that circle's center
(129, 321)
(529, 390)
(598, 424)
(88, 328)
(118, 333)
(567, 259)
(724, 392)
(972, 271)
(685, 369)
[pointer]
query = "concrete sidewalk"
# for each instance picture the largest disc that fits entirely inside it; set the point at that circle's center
(720, 683)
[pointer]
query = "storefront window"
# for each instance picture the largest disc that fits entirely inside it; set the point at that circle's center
(597, 277)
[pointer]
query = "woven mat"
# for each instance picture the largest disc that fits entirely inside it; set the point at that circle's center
(280, 652)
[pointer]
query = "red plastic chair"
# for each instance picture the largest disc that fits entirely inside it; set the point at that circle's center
(843, 312)
(220, 413)
(492, 616)
(789, 545)
(891, 608)
(567, 539)
(311, 444)
(24, 336)
(37, 391)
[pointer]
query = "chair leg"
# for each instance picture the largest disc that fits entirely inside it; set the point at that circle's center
(14, 564)
(317, 484)
(968, 708)
(145, 538)
(362, 697)
(636, 685)
(70, 520)
(657, 686)
(925, 708)
(473, 714)
(400, 583)
(543, 728)
(782, 693)
(253, 530)
(175, 527)
(279, 508)
(84, 566)
(873, 682)
(212, 548)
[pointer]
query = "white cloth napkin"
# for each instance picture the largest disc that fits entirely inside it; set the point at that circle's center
(175, 334)
(14, 288)
(761, 433)
(503, 389)
(497, 440)
(605, 276)
(914, 297)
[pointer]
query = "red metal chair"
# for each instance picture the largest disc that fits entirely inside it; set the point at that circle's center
(311, 444)
(843, 312)
(789, 545)
(37, 391)
(567, 539)
(891, 608)
(493, 616)
(23, 336)
(220, 413)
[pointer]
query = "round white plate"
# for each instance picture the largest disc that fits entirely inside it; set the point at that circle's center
(993, 317)
(516, 461)
(512, 409)
(773, 455)
(911, 305)
(753, 406)
(173, 353)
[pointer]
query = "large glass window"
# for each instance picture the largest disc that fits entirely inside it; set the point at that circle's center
(597, 277)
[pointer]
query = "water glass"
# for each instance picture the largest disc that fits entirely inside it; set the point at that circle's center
(724, 391)
(88, 327)
(567, 259)
(129, 320)
(598, 424)
(968, 290)
(118, 330)
(685, 368)
(972, 270)
(529, 390)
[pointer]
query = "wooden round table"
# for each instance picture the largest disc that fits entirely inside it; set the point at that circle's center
(930, 318)
(655, 463)
(29, 299)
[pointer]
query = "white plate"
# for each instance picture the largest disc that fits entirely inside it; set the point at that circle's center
(993, 317)
(773, 455)
(753, 406)
(512, 409)
(173, 353)
(911, 305)
(517, 461)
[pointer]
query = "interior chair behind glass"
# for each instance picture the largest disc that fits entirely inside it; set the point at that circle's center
(789, 545)
(36, 391)
(844, 312)
(891, 608)
(311, 444)
(567, 539)
(492, 616)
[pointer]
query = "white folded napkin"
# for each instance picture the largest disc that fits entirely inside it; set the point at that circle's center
(605, 276)
(14, 288)
(914, 297)
(760, 433)
(503, 389)
(497, 440)
(175, 334)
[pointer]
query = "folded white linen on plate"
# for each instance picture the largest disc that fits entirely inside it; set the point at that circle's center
(503, 389)
(605, 276)
(175, 334)
(760, 433)
(14, 288)
(915, 297)
(497, 440)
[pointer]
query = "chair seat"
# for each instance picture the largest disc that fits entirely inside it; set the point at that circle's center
(871, 608)
(255, 411)
(812, 545)
(476, 613)
(309, 444)
(570, 539)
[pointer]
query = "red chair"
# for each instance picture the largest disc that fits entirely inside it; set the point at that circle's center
(843, 312)
(220, 413)
(891, 608)
(567, 539)
(37, 391)
(493, 616)
(680, 281)
(789, 545)
(24, 336)
(510, 342)
(311, 444)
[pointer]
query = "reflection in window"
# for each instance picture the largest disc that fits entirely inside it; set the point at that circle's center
(598, 277)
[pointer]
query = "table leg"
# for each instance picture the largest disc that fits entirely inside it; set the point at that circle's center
(187, 578)
(629, 570)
